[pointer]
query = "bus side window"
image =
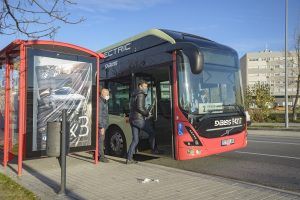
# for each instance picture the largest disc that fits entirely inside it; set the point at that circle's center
(119, 101)
(164, 106)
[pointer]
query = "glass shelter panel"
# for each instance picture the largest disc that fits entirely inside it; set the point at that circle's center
(14, 103)
(57, 82)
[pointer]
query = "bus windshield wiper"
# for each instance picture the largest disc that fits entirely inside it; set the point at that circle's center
(215, 110)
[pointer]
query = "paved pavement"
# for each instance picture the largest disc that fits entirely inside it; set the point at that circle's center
(115, 180)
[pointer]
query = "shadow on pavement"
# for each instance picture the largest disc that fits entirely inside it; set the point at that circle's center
(54, 185)
(82, 157)
(143, 157)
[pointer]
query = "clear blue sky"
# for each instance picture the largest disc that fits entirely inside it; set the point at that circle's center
(245, 25)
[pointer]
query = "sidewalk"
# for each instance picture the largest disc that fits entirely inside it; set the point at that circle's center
(115, 180)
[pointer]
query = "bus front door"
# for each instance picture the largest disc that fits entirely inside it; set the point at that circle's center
(158, 100)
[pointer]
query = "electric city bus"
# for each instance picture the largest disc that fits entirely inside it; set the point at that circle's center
(194, 93)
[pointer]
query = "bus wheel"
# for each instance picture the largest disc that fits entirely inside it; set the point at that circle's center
(115, 142)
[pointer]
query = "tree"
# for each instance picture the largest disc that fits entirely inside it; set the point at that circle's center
(260, 96)
(248, 98)
(297, 48)
(34, 18)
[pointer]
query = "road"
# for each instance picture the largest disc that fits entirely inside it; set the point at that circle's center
(270, 159)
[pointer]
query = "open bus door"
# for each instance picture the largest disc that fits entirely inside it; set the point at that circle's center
(158, 100)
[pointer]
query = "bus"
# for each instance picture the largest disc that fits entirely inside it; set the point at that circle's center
(194, 92)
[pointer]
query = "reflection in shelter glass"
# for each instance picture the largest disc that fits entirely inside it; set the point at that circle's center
(14, 103)
(62, 84)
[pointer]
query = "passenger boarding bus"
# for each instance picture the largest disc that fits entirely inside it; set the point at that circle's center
(195, 93)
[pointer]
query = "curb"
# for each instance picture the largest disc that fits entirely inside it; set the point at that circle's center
(274, 129)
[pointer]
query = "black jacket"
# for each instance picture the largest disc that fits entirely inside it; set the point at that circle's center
(103, 113)
(137, 106)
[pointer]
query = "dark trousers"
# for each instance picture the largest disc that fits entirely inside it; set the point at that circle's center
(136, 126)
(101, 139)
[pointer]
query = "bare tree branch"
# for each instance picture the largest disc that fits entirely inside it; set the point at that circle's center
(34, 18)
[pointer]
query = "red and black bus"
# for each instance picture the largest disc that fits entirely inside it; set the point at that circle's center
(194, 88)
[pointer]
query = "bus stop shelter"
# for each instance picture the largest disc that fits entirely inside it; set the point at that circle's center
(39, 79)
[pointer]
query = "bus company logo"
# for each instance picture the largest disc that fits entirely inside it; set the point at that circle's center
(111, 64)
(228, 122)
(117, 50)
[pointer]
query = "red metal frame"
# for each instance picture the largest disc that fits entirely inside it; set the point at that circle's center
(7, 111)
(22, 93)
(22, 106)
(175, 103)
(97, 115)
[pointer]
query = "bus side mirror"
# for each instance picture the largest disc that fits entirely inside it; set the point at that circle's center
(192, 52)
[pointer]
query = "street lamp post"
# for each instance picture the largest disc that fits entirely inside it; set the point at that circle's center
(285, 62)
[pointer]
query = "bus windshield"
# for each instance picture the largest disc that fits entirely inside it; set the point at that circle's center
(217, 89)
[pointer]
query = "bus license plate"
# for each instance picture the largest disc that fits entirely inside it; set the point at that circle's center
(227, 142)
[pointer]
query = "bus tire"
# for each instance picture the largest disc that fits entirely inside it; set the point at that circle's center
(115, 142)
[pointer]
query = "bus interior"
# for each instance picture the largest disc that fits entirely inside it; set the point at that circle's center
(159, 101)
(158, 98)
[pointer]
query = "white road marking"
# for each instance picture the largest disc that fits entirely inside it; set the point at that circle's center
(270, 155)
(264, 141)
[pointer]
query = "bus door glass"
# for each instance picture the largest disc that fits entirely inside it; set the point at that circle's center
(163, 126)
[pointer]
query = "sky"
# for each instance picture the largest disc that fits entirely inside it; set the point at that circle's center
(245, 25)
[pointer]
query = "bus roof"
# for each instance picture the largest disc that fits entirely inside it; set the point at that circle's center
(177, 35)
(155, 32)
(141, 42)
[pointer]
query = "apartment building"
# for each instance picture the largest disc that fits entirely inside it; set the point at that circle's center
(269, 67)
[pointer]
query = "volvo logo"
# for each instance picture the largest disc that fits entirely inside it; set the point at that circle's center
(227, 132)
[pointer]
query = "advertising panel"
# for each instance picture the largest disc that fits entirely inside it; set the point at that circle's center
(61, 82)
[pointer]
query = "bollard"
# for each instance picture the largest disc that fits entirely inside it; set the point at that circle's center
(58, 145)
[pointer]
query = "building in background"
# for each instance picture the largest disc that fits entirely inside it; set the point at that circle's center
(269, 68)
